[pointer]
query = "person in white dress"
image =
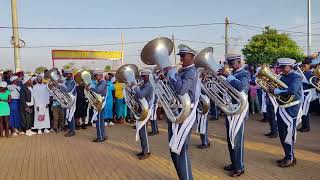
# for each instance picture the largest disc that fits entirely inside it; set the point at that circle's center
(41, 97)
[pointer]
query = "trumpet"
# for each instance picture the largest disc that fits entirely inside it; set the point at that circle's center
(315, 79)
(266, 79)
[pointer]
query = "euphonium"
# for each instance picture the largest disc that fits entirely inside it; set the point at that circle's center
(226, 97)
(65, 99)
(157, 52)
(204, 104)
(315, 79)
(95, 99)
(266, 78)
(129, 74)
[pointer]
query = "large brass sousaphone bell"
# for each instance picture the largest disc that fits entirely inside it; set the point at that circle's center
(129, 74)
(157, 52)
(226, 97)
(315, 79)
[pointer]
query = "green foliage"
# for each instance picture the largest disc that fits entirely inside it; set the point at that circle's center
(107, 68)
(269, 46)
(68, 66)
(39, 70)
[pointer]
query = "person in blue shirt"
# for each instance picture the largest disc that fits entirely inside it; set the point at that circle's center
(239, 78)
(108, 110)
(145, 91)
(70, 86)
(307, 92)
(100, 88)
(184, 81)
(287, 113)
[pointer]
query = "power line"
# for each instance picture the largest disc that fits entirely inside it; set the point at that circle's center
(80, 45)
(302, 25)
(112, 28)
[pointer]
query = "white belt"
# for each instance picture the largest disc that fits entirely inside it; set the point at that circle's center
(307, 90)
(192, 105)
(290, 104)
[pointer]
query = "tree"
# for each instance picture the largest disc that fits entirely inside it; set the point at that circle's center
(269, 46)
(107, 68)
(68, 66)
(39, 69)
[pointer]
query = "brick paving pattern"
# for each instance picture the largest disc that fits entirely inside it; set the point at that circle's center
(54, 157)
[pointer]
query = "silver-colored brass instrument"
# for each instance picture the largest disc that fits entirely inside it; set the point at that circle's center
(157, 52)
(266, 78)
(129, 74)
(204, 104)
(65, 99)
(226, 97)
(95, 99)
(315, 79)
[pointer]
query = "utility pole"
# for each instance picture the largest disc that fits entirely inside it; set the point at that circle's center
(15, 39)
(174, 50)
(309, 27)
(226, 38)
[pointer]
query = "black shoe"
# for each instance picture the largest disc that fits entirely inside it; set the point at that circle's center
(263, 120)
(152, 133)
(140, 154)
(273, 135)
(288, 163)
(203, 146)
(99, 140)
(279, 161)
(304, 129)
(83, 126)
(237, 173)
(229, 168)
(144, 156)
(70, 134)
(268, 134)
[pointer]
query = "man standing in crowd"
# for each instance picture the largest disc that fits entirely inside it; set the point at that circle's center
(15, 114)
(307, 94)
(184, 81)
(70, 86)
(287, 114)
(27, 105)
(41, 97)
(100, 88)
(145, 91)
(239, 79)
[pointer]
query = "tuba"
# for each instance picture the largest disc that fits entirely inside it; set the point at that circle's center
(266, 78)
(129, 74)
(95, 99)
(65, 99)
(226, 97)
(157, 52)
(315, 79)
(204, 104)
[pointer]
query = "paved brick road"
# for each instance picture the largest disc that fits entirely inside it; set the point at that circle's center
(52, 156)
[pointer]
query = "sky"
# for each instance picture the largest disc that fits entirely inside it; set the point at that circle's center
(281, 14)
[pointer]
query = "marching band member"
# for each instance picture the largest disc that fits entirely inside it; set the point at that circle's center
(153, 119)
(239, 79)
(70, 86)
(307, 92)
(287, 113)
(100, 88)
(145, 91)
(271, 111)
(202, 129)
(185, 81)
